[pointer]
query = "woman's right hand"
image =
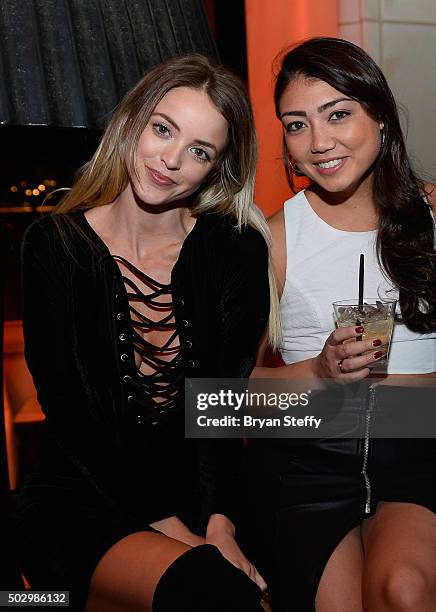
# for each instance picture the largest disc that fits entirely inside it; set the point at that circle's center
(345, 357)
(173, 527)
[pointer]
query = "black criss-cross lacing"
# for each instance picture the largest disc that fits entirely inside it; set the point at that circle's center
(161, 389)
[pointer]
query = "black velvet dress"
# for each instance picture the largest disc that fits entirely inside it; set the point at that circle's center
(111, 461)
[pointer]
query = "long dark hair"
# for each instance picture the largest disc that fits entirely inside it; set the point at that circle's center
(405, 240)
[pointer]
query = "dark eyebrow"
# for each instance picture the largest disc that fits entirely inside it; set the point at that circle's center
(327, 105)
(320, 109)
(173, 123)
(207, 144)
(204, 143)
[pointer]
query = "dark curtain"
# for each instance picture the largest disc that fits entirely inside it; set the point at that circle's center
(67, 63)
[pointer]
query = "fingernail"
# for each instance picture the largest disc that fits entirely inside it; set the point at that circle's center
(378, 354)
(359, 330)
(376, 342)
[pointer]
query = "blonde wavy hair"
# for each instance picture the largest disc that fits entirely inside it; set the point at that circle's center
(229, 188)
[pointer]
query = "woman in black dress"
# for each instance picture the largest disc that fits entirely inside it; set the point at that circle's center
(154, 268)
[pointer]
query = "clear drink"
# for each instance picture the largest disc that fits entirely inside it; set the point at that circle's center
(376, 317)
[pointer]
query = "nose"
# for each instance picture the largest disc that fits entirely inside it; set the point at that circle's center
(322, 139)
(171, 156)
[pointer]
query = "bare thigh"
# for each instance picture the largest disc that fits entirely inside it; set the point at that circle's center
(400, 558)
(127, 575)
(340, 587)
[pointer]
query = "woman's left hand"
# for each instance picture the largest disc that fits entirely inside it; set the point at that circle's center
(223, 538)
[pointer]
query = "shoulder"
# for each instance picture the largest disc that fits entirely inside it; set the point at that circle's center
(289, 214)
(430, 194)
(278, 248)
(222, 233)
(56, 236)
(50, 225)
(276, 225)
(41, 233)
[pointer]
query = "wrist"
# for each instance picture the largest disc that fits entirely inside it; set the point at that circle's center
(319, 374)
(220, 524)
(316, 367)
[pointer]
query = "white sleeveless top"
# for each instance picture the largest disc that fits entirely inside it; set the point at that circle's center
(322, 266)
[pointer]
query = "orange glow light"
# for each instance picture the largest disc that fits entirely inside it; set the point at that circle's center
(271, 27)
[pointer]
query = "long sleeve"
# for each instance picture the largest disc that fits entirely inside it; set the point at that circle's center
(46, 316)
(244, 310)
(244, 307)
(78, 421)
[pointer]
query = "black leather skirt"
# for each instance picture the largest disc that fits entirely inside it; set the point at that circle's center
(304, 495)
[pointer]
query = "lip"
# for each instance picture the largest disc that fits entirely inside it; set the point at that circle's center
(160, 179)
(334, 169)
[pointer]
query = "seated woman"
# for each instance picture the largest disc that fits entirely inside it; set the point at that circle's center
(351, 521)
(153, 268)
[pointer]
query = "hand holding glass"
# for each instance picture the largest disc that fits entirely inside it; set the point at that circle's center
(376, 316)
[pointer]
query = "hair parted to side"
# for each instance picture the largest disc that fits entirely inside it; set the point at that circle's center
(229, 188)
(405, 238)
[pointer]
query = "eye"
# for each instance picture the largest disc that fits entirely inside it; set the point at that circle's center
(294, 126)
(338, 115)
(161, 130)
(200, 154)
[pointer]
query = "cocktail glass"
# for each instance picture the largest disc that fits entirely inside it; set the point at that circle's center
(375, 315)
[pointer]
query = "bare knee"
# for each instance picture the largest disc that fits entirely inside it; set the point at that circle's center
(340, 586)
(126, 576)
(404, 588)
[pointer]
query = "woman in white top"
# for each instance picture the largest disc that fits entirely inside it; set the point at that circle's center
(351, 523)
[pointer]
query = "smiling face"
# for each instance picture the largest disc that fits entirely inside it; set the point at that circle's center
(179, 146)
(330, 137)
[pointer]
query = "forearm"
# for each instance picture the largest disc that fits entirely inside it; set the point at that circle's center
(345, 357)
(221, 533)
(308, 368)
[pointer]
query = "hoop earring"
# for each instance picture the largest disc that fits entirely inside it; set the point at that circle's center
(294, 169)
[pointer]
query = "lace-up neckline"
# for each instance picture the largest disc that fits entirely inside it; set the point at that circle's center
(158, 388)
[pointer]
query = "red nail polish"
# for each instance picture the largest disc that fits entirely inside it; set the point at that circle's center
(376, 342)
(378, 354)
(359, 330)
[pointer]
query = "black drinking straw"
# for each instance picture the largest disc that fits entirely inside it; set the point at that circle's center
(361, 277)
(361, 282)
